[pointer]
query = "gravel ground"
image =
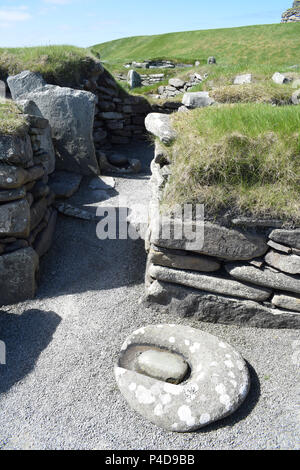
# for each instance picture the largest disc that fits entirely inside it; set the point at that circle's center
(57, 390)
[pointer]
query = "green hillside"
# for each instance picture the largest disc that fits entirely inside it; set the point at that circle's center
(275, 43)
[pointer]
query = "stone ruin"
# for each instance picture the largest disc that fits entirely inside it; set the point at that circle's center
(292, 15)
(243, 270)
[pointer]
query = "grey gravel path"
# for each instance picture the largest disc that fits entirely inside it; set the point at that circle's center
(58, 391)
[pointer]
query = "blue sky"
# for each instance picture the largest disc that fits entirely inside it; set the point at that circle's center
(88, 22)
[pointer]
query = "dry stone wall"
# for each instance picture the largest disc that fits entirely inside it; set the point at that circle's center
(292, 15)
(27, 218)
(246, 271)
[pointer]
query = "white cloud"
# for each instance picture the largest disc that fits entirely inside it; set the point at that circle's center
(11, 16)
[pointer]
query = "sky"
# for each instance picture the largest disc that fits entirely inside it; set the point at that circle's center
(87, 22)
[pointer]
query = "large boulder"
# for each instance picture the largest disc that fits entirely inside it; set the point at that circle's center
(160, 125)
(71, 116)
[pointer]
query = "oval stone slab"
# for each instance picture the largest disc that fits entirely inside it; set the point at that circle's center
(217, 385)
(162, 366)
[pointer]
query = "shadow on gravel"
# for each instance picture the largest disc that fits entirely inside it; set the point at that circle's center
(25, 337)
(245, 409)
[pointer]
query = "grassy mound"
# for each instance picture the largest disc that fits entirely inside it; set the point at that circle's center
(61, 65)
(244, 158)
(11, 119)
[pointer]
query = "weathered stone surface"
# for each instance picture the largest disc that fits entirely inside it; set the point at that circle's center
(72, 211)
(23, 83)
(64, 184)
(162, 365)
(37, 212)
(208, 307)
(280, 79)
(160, 126)
(296, 97)
(287, 263)
(17, 276)
(134, 79)
(12, 194)
(16, 150)
(118, 159)
(15, 219)
(218, 383)
(46, 156)
(264, 277)
(212, 239)
(209, 283)
(198, 99)
(287, 302)
(176, 82)
(286, 237)
(279, 247)
(183, 261)
(44, 238)
(71, 116)
(243, 79)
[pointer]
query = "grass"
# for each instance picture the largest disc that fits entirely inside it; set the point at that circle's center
(274, 44)
(244, 158)
(61, 65)
(11, 119)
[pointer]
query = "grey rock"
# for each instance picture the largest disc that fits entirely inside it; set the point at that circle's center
(71, 116)
(255, 222)
(265, 277)
(16, 150)
(217, 386)
(287, 263)
(296, 97)
(160, 126)
(34, 117)
(209, 283)
(12, 194)
(280, 79)
(134, 79)
(118, 159)
(211, 239)
(208, 307)
(23, 83)
(287, 302)
(176, 83)
(37, 212)
(211, 60)
(279, 247)
(18, 269)
(64, 184)
(162, 365)
(111, 115)
(199, 99)
(44, 239)
(286, 237)
(183, 261)
(135, 165)
(243, 79)
(72, 211)
(15, 219)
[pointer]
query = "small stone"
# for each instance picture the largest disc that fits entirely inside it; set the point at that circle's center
(118, 159)
(287, 263)
(287, 302)
(199, 99)
(162, 366)
(279, 247)
(280, 79)
(176, 83)
(243, 79)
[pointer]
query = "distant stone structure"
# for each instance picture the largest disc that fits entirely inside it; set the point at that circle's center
(292, 15)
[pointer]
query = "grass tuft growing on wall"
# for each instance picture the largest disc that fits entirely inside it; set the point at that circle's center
(11, 119)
